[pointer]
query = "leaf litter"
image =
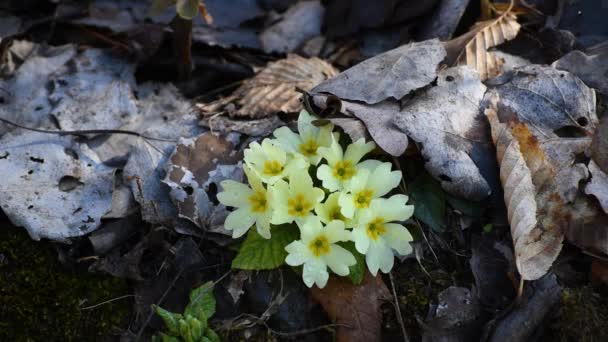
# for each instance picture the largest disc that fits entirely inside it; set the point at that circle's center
(540, 123)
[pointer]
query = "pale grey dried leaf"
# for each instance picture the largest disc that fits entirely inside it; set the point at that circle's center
(354, 128)
(444, 21)
(591, 67)
(392, 74)
(301, 22)
(235, 287)
(564, 99)
(94, 91)
(144, 172)
(378, 120)
(451, 132)
(162, 112)
(52, 186)
(195, 164)
(25, 95)
(598, 186)
(123, 203)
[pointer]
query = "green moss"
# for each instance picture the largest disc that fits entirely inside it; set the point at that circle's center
(582, 316)
(41, 301)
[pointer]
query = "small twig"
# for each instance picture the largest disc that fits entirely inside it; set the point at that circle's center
(426, 240)
(85, 132)
(520, 290)
(398, 310)
(107, 302)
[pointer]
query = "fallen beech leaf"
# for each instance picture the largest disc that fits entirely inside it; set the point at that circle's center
(392, 74)
(195, 164)
(541, 120)
(472, 47)
(273, 89)
(599, 145)
(590, 66)
(357, 306)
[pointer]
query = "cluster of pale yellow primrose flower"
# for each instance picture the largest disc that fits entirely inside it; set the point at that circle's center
(348, 207)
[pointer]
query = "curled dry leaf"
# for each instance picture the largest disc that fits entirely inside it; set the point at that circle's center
(472, 48)
(541, 122)
(392, 74)
(356, 306)
(274, 89)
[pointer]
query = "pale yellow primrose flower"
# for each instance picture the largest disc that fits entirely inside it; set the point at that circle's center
(294, 201)
(308, 141)
(253, 205)
(376, 237)
(343, 166)
(272, 163)
(366, 186)
(331, 210)
(317, 249)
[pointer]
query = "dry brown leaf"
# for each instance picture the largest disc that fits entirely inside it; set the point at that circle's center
(356, 306)
(472, 47)
(273, 89)
(534, 207)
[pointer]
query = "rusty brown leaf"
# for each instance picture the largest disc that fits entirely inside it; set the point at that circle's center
(355, 306)
(472, 47)
(274, 89)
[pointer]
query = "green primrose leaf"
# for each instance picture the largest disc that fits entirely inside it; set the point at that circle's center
(429, 201)
(212, 336)
(171, 319)
(257, 253)
(202, 303)
(187, 9)
(357, 271)
(167, 338)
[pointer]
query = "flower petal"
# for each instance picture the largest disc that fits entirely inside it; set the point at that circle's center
(326, 176)
(239, 221)
(333, 153)
(263, 224)
(310, 228)
(393, 208)
(235, 194)
(356, 151)
(383, 180)
(287, 139)
(347, 203)
(370, 165)
(315, 271)
(335, 232)
(359, 181)
(339, 259)
(372, 258)
(298, 254)
(398, 238)
(361, 239)
(254, 180)
(280, 194)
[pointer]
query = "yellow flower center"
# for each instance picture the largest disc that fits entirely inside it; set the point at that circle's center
(344, 170)
(319, 246)
(298, 205)
(273, 168)
(363, 198)
(258, 201)
(336, 214)
(309, 148)
(375, 228)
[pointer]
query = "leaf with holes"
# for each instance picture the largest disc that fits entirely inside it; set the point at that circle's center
(257, 253)
(53, 186)
(356, 306)
(542, 122)
(195, 169)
